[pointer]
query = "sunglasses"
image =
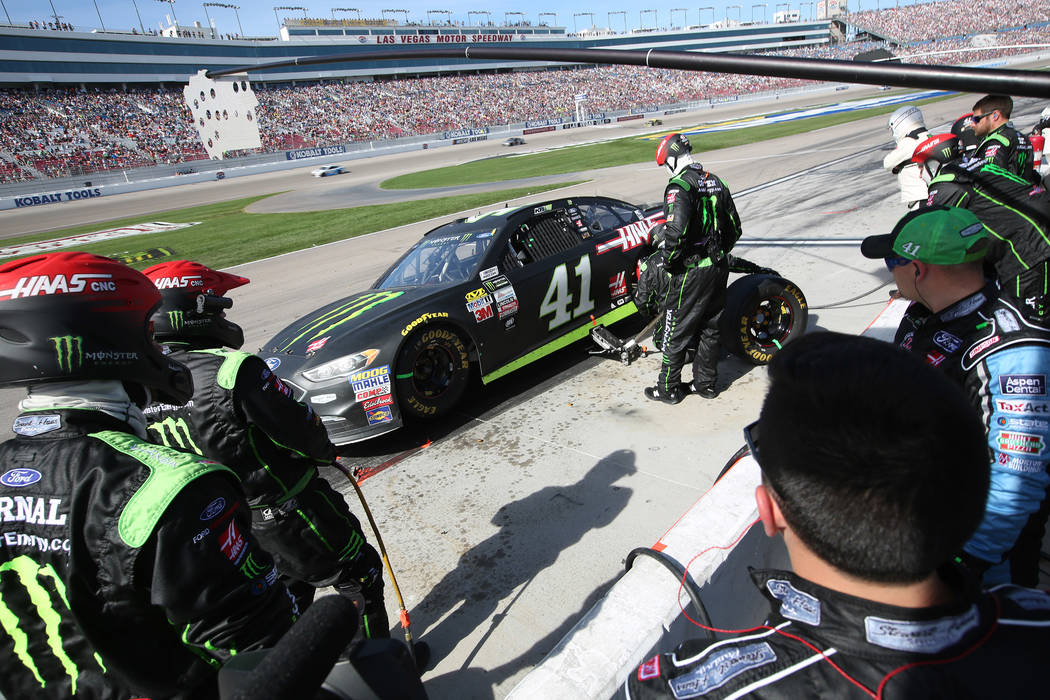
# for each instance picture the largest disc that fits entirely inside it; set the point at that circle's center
(978, 117)
(892, 263)
(751, 439)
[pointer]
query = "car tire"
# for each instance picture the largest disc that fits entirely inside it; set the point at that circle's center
(762, 314)
(433, 370)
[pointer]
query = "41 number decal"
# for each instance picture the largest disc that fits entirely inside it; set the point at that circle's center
(558, 299)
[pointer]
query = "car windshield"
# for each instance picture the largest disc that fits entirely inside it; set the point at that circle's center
(447, 255)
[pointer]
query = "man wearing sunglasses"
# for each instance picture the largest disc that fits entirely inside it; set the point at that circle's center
(873, 497)
(1000, 143)
(961, 325)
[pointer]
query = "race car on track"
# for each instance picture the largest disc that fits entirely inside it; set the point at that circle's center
(495, 292)
(326, 170)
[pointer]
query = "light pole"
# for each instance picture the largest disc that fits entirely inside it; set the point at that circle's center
(700, 15)
(480, 12)
(685, 19)
(547, 14)
(803, 4)
(782, 4)
(96, 12)
(143, 28)
(279, 7)
(645, 12)
(171, 4)
(728, 8)
(581, 14)
(764, 6)
(506, 16)
(440, 12)
(395, 12)
(619, 12)
(228, 6)
(348, 9)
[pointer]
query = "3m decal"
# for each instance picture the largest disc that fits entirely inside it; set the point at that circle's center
(483, 313)
(558, 300)
(34, 577)
(175, 432)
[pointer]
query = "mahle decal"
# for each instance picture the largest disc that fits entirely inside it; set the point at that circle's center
(69, 351)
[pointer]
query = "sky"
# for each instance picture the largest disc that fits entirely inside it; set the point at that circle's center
(257, 18)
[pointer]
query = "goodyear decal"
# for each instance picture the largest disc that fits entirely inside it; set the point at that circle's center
(423, 319)
(340, 315)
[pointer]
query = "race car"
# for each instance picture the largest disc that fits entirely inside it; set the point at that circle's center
(326, 170)
(514, 141)
(494, 292)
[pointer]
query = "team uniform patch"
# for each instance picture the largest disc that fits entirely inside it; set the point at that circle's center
(37, 424)
(794, 604)
(925, 637)
(1023, 384)
(721, 667)
(649, 669)
(947, 342)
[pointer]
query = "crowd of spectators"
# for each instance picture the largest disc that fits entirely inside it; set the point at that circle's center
(60, 132)
(952, 18)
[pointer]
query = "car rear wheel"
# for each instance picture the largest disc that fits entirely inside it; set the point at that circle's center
(762, 314)
(433, 370)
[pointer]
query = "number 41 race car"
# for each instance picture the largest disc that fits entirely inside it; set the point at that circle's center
(497, 291)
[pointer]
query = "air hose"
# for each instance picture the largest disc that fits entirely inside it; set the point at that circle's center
(675, 568)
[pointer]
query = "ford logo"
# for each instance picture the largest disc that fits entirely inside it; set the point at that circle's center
(273, 362)
(17, 478)
(213, 509)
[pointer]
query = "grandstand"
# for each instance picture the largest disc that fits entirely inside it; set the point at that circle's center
(78, 116)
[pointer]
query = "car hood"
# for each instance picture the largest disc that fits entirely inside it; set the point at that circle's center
(368, 315)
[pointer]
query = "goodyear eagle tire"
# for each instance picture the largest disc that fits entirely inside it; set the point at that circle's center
(433, 370)
(762, 314)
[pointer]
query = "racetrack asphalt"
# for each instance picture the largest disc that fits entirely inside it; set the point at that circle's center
(520, 511)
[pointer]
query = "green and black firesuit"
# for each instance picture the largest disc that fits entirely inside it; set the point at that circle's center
(1017, 214)
(702, 227)
(242, 415)
(1010, 150)
(129, 569)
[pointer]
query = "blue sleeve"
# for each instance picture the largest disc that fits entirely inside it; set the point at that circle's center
(1015, 410)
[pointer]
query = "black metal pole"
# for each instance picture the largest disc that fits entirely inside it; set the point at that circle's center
(1020, 83)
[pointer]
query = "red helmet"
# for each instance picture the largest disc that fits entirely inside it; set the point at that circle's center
(963, 128)
(671, 148)
(193, 305)
(942, 148)
(69, 316)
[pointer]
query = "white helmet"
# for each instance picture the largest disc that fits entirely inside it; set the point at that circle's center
(906, 120)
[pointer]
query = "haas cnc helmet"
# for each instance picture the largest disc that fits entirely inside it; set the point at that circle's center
(76, 316)
(194, 303)
(674, 152)
(935, 152)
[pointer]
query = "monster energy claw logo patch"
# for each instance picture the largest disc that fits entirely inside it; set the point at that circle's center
(69, 351)
(176, 319)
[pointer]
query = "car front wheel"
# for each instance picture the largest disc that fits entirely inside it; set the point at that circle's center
(762, 314)
(433, 370)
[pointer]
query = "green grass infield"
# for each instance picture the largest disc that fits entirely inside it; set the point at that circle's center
(632, 149)
(228, 235)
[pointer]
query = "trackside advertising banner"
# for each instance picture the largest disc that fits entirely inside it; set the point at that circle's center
(314, 152)
(96, 237)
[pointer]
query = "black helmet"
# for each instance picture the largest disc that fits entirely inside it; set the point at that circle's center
(193, 305)
(77, 316)
(963, 129)
(672, 147)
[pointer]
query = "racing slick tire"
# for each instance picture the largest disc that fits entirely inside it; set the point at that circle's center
(433, 371)
(762, 314)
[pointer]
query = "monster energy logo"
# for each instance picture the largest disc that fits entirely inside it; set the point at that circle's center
(177, 319)
(69, 349)
(341, 314)
(175, 432)
(30, 575)
(251, 568)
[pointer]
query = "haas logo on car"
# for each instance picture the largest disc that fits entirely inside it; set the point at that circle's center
(630, 236)
(58, 284)
(179, 282)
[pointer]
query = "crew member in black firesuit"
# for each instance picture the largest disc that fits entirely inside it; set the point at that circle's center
(1015, 212)
(244, 416)
(701, 228)
(127, 569)
(873, 606)
(998, 142)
